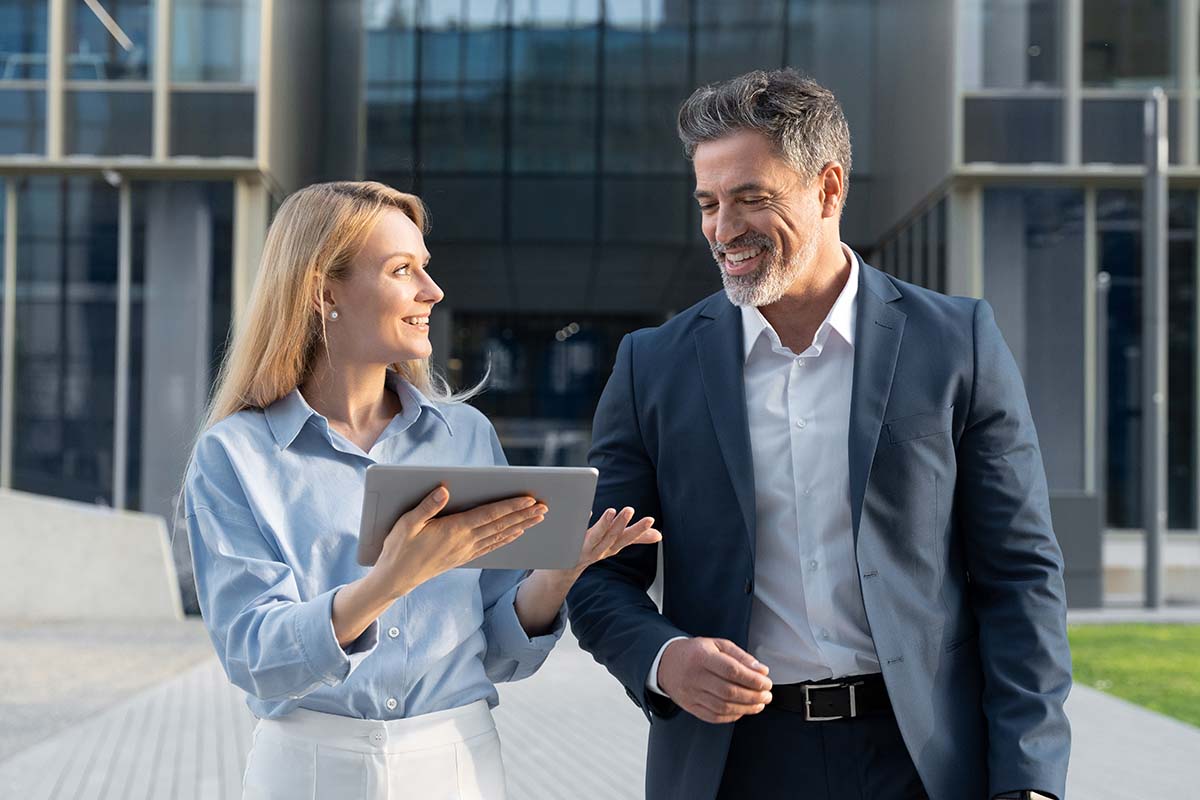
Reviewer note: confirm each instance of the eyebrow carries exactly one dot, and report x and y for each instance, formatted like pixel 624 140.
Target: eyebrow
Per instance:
pixel 739 189
pixel 404 254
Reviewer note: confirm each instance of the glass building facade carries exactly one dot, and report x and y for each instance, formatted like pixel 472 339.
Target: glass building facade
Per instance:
pixel 137 184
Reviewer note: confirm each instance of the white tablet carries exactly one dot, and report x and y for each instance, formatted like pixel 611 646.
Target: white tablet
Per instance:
pixel 555 543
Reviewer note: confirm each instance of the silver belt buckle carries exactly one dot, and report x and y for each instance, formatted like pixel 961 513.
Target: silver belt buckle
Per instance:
pixel 808 717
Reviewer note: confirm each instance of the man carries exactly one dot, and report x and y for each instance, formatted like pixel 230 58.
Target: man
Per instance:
pixel 862 592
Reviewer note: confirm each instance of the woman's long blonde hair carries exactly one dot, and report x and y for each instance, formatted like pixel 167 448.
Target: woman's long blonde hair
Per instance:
pixel 315 235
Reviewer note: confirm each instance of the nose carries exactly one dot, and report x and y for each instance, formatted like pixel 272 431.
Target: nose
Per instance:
pixel 430 292
pixel 728 224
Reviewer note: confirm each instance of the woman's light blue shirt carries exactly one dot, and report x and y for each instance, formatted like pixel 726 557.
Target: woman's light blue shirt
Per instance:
pixel 273 499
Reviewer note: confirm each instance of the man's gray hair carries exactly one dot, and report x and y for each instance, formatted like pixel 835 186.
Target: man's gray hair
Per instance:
pixel 802 118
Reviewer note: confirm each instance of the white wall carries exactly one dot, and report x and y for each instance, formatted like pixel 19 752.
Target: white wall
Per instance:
pixel 72 561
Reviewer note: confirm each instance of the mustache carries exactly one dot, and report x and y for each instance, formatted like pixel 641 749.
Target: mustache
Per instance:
pixel 752 239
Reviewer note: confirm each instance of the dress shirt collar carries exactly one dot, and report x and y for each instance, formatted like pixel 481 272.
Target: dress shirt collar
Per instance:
pixel 841 317
pixel 288 415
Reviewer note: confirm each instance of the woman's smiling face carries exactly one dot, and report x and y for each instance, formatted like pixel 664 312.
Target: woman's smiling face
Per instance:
pixel 384 299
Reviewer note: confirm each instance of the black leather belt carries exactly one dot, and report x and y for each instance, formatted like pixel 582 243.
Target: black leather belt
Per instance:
pixel 844 698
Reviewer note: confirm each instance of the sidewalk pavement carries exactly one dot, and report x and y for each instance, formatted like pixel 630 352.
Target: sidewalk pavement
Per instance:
pixel 567 732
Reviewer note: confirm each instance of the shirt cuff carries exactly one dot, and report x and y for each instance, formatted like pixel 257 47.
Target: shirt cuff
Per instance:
pixel 329 662
pixel 507 637
pixel 652 678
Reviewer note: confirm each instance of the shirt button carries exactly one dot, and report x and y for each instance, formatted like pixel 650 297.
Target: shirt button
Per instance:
pixel 825 635
pixel 393 632
pixel 391 704
pixel 801 423
pixel 812 564
pixel 377 737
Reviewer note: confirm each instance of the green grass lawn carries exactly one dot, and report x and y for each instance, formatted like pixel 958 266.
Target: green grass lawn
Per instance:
pixel 1156 666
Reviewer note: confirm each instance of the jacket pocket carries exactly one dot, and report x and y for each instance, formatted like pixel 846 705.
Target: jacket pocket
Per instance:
pixel 919 426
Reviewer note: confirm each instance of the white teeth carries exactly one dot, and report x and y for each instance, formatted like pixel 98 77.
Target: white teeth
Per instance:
pixel 742 255
pixel 417 320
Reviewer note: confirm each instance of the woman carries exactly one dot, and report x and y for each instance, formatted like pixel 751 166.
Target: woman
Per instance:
pixel 368 682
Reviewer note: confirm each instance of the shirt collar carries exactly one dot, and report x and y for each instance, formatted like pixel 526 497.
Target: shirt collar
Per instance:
pixel 841 317
pixel 288 415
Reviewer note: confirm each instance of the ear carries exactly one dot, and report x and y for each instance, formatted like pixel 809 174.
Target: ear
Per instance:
pixel 832 182
pixel 323 300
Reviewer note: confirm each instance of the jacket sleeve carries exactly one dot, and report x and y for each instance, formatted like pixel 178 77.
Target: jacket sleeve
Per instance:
pixel 611 614
pixel 1016 575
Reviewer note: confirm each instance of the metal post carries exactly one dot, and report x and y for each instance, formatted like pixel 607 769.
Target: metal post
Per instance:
pixel 121 393
pixel 1154 346
pixel 1100 448
pixel 8 341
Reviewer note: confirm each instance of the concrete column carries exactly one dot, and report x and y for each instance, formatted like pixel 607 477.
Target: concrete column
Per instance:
pixel 964 241
pixel 251 208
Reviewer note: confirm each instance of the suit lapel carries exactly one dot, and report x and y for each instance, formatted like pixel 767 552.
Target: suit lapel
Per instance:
pixel 877 336
pixel 719 349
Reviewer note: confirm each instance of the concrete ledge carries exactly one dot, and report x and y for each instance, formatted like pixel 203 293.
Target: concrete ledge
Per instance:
pixel 72 561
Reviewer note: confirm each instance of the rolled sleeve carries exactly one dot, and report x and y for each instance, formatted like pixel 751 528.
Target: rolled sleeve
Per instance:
pixel 511 654
pixel 328 660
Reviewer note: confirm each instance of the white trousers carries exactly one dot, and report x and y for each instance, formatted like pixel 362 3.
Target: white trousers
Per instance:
pixel 446 755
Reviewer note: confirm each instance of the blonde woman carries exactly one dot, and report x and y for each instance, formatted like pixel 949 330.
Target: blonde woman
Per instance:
pixel 367 682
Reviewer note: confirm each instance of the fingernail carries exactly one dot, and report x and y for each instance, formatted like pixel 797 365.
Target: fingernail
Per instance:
pixel 755 665
pixel 769 697
pixel 609 513
pixel 439 494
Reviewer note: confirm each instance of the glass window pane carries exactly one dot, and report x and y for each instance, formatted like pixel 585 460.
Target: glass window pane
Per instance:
pixel 464 209
pixel 553 209
pixel 108 123
pixel 390 134
pixel 1012 130
pixel 212 124
pixel 460 126
pixel 1033 276
pixel 1113 131
pixel 66 338
pixel 22 122
pixel 1129 43
pixel 647 210
pixel 391 56
pixel 1181 361
pixel 728 52
pixel 557 13
pixel 94 54
pixel 24 38
pixel 215 40
pixel 726 14
pixel 639 130
pixel 554 128
pixel 564 56
pixel 1010 44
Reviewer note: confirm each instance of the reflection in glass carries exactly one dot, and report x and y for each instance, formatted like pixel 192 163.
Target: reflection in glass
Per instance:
pixel 215 40
pixel 1113 131
pixel 732 51
pixel 462 127
pixel 24 38
pixel 212 124
pixel 1012 130
pixel 1010 44
pixel 22 121
pixel 1033 276
pixel 108 123
pixel 66 338
pixel 94 54
pixel 1129 43
pixel 646 210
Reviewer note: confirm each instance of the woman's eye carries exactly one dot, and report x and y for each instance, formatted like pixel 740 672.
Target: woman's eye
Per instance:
pixel 405 270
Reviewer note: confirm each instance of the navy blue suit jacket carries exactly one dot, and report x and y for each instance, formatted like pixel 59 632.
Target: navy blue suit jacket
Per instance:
pixel 960 570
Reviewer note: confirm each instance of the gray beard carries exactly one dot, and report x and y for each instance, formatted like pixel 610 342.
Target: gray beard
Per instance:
pixel 770 282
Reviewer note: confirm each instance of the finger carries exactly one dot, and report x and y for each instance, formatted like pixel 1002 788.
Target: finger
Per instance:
pixel 737 695
pixel 730 669
pixel 704 711
pixel 429 507
pixel 614 528
pixel 725 708
pixel 593 539
pixel 524 516
pixel 640 533
pixel 496 541
pixel 488 513
pixel 730 649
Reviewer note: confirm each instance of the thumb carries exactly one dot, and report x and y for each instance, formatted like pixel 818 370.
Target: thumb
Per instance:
pixel 429 507
pixel 730 649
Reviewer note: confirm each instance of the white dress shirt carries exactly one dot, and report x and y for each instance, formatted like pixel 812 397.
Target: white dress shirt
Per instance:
pixel 807 621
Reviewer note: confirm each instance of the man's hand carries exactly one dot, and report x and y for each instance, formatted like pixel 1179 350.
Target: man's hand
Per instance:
pixel 713 679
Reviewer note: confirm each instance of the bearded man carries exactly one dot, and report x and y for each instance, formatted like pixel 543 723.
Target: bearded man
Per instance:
pixel 862 591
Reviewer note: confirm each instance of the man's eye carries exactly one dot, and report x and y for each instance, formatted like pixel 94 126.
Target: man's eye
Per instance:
pixel 707 206
pixel 755 200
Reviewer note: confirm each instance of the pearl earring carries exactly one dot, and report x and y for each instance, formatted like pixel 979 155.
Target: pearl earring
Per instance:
pixel 333 315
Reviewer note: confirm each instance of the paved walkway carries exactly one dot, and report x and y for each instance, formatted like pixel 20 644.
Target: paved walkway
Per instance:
pixel 568 732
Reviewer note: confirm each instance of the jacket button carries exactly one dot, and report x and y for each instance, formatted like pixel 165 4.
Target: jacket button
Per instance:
pixel 749 587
